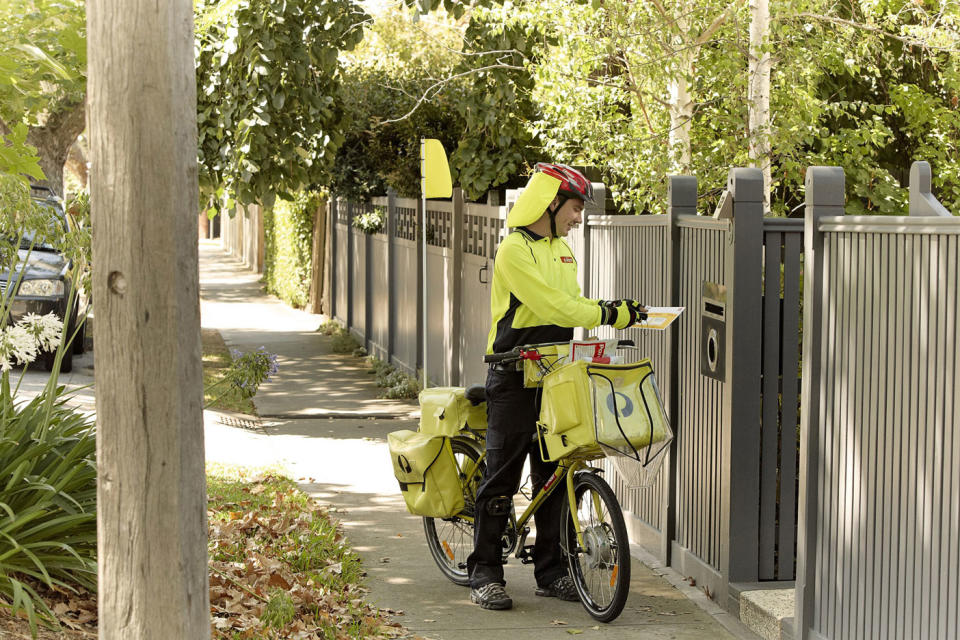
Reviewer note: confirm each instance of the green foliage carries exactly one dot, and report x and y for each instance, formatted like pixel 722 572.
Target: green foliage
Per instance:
pixel 43 58
pixel 342 342
pixel 494 98
pixel 396 384
pixel 17 158
pixel 846 90
pixel 288 237
pixel 279 611
pixel 869 86
pixel 605 93
pixel 456 8
pixel 270 117
pixel 217 364
pixel 48 500
pixel 384 77
pixel 42 72
pixel 883 94
pixel 369 222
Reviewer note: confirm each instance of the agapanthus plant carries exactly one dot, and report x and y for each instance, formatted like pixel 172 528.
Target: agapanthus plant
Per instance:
pixel 32 335
pixel 246 373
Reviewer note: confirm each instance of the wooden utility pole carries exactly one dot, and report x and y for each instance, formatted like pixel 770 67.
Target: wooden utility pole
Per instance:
pixel 151 509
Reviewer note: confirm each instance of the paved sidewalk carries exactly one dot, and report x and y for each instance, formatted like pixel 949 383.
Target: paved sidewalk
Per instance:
pixel 322 422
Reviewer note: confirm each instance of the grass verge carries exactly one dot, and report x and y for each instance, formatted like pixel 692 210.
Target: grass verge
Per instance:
pixel 280 566
pixel 216 361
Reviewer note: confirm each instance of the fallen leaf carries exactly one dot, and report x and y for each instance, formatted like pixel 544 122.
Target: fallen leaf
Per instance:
pixel 558 622
pixel 277 580
pixel 384 560
pixel 574 632
pixel 428 620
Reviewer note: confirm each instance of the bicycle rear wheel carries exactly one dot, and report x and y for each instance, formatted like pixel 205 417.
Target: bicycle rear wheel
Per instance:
pixel 450 540
pixel 600 567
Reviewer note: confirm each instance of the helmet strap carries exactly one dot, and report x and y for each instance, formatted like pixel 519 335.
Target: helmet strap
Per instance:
pixel 553 214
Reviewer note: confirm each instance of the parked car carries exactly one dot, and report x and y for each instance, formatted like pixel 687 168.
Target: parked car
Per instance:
pixel 46 283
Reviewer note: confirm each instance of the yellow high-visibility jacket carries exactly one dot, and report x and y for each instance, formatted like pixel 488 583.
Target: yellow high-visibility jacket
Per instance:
pixel 535 296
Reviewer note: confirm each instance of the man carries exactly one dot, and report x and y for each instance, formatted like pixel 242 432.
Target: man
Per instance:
pixel 534 298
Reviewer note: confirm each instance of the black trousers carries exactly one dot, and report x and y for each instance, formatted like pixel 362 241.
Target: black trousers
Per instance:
pixel 512 413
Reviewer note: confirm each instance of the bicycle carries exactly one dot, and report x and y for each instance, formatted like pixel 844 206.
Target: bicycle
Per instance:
pixel 593 533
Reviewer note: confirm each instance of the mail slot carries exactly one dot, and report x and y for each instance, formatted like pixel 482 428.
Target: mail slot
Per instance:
pixel 713 331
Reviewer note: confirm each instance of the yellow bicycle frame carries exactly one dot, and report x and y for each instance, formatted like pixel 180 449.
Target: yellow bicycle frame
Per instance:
pixel 565 468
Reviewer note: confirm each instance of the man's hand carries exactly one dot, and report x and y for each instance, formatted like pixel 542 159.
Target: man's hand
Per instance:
pixel 621 314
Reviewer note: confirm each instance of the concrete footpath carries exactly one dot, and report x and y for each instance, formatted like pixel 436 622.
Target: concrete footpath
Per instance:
pixel 321 422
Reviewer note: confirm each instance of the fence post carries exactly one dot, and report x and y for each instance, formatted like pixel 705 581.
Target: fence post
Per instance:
pixel 922 201
pixel 390 226
pixel 421 221
pixel 335 275
pixel 456 297
pixel 824 197
pixel 350 250
pixel 681 200
pixel 367 285
pixel 740 444
pixel 330 264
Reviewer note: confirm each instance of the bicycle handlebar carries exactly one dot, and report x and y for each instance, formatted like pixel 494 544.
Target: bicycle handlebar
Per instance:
pixel 519 353
pixel 493 358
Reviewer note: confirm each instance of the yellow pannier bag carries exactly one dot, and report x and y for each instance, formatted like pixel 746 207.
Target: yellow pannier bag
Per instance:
pixel 445 411
pixel 426 469
pixel 592 410
pixel 551 357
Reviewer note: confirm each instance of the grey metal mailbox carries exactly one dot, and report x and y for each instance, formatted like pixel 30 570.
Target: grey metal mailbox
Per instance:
pixel 713 330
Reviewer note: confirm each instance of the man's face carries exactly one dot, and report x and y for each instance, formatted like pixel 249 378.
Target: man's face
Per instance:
pixel 569 216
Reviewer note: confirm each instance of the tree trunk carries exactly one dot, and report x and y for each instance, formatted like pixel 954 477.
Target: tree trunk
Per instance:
pixel 681 111
pixel 53 141
pixel 151 510
pixel 758 95
pixel 77 164
pixel 681 98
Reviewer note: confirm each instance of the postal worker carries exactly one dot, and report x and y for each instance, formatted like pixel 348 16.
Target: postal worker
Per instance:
pixel 534 298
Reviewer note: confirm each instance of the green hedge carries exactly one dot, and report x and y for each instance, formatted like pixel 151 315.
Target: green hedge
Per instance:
pixel 288 236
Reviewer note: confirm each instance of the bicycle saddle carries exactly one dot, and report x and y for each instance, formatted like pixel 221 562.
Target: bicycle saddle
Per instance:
pixel 475 393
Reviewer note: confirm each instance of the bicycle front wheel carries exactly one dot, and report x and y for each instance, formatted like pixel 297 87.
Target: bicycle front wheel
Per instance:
pixel 450 540
pixel 600 567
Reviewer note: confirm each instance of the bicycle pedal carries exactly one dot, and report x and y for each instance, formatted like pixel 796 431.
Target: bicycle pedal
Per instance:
pixel 526 555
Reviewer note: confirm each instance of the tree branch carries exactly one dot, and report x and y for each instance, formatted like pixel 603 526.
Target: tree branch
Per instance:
pixel 439 83
pixel 62 126
pixel 704 37
pixel 917 42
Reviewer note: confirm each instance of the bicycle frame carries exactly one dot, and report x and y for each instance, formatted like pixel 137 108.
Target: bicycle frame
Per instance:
pixel 565 470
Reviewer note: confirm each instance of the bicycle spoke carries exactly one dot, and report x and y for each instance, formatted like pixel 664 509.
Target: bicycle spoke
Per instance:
pixel 451 540
pixel 597 561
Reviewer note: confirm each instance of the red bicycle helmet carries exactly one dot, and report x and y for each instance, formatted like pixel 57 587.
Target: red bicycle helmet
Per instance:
pixel 573 184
